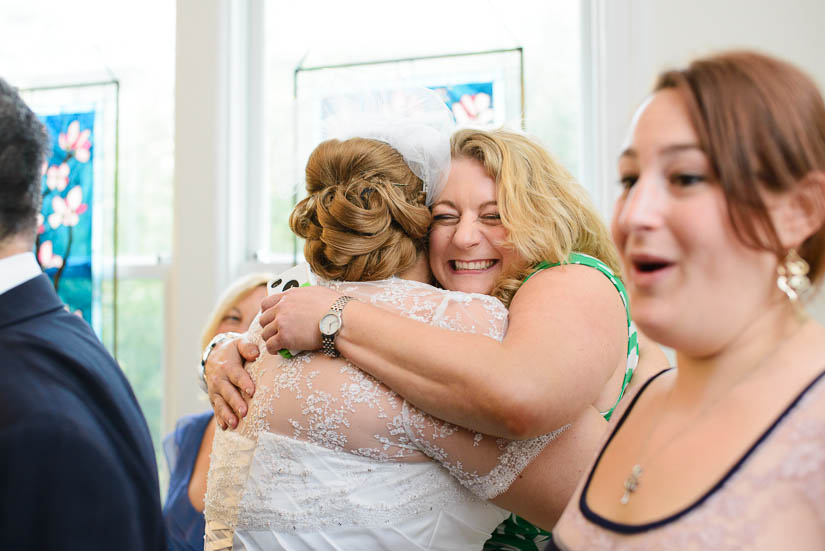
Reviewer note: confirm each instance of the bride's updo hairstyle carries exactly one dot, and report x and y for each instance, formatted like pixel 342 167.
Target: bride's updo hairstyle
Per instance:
pixel 364 217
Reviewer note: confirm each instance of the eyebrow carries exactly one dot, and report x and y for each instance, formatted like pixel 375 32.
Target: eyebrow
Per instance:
pixel 451 204
pixel 669 150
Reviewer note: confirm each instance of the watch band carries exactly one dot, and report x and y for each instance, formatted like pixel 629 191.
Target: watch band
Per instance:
pixel 216 340
pixel 328 341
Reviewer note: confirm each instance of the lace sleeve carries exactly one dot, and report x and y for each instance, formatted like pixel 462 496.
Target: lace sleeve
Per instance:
pixel 471 313
pixel 331 403
pixel 485 465
pixel 327 402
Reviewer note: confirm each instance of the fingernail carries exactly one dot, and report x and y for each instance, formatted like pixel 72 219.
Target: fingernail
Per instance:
pixel 249 391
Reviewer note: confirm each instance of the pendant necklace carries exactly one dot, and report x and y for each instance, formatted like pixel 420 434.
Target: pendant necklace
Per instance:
pixel 631 483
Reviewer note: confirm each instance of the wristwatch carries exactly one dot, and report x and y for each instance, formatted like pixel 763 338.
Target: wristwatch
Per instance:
pixel 216 340
pixel 331 324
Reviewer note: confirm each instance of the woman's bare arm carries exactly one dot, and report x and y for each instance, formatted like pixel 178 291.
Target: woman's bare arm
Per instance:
pixel 543 489
pixel 567 336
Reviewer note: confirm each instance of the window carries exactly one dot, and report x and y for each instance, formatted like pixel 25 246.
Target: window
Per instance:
pixel 60 43
pixel 548 32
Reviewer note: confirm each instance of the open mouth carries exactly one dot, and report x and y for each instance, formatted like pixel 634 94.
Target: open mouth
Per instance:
pixel 472 265
pixel 649 267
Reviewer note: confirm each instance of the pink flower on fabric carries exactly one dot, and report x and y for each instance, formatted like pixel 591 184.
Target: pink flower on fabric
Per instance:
pixel 47 258
pixel 75 140
pixel 41 228
pixel 67 211
pixel 57 177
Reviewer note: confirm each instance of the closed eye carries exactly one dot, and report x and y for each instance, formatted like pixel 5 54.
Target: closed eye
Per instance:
pixel 445 219
pixel 230 317
pixel 493 219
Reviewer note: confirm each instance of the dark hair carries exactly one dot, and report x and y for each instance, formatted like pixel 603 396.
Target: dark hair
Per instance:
pixel 23 147
pixel 761 122
pixel 364 217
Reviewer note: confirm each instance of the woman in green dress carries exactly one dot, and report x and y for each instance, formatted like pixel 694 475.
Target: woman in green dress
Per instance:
pixel 510 222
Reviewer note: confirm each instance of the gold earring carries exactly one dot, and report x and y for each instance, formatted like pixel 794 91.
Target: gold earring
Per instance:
pixel 793 275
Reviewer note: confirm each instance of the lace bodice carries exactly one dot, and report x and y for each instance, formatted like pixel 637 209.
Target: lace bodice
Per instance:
pixel 326 446
pixel 774 500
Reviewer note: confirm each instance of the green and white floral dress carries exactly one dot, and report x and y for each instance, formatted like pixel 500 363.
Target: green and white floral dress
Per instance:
pixel 515 533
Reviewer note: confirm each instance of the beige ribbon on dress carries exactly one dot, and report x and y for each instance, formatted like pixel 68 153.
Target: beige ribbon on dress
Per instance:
pixel 218 536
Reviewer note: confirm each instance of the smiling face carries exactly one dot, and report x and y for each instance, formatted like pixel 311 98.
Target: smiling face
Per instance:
pixel 693 284
pixel 240 315
pixel 467 240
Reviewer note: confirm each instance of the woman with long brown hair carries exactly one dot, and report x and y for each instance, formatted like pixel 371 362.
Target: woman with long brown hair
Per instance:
pixel 721 227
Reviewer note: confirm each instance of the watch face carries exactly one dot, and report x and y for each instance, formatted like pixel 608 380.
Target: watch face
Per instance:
pixel 330 324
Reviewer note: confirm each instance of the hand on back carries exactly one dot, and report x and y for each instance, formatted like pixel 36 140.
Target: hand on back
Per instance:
pixel 289 320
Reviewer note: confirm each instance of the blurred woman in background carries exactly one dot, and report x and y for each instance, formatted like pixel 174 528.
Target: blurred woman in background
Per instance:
pixel 187 448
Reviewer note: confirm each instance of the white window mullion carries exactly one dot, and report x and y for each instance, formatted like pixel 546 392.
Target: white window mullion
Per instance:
pixel 202 234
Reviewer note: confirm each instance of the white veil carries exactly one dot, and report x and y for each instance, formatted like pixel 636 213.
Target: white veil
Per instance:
pixel 414 121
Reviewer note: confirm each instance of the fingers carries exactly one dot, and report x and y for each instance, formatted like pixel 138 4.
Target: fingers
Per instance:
pixel 223 413
pixel 235 406
pixel 247 349
pixel 273 345
pixel 239 379
pixel 269 331
pixel 222 381
pixel 270 301
pixel 267 317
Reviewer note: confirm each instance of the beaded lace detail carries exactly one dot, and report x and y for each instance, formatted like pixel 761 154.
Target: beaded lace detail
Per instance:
pixel 321 431
pixel 774 500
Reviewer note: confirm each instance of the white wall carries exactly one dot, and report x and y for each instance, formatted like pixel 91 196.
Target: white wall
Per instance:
pixel 640 38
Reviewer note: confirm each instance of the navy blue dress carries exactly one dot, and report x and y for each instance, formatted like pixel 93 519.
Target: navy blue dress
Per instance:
pixel 184 525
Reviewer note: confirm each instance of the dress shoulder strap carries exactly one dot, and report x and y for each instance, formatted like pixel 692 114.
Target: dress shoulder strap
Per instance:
pixel 632 335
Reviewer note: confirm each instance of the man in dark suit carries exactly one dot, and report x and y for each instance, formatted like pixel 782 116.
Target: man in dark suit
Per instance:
pixel 77 467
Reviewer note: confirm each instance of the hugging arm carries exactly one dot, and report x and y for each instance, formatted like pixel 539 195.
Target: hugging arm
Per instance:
pixel 360 415
pixel 228 383
pixel 533 478
pixel 567 336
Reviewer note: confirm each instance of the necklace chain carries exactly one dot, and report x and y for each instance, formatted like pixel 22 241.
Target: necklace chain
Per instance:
pixel 631 483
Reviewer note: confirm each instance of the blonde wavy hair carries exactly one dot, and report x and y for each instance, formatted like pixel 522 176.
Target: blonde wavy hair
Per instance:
pixel 364 217
pixel 237 291
pixel 546 213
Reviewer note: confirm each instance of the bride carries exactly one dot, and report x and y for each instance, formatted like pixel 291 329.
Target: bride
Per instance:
pixel 330 458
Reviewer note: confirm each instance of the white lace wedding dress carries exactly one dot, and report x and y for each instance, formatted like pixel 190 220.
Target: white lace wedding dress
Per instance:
pixel 330 458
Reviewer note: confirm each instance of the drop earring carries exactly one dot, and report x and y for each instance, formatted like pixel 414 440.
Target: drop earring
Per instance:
pixel 793 275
